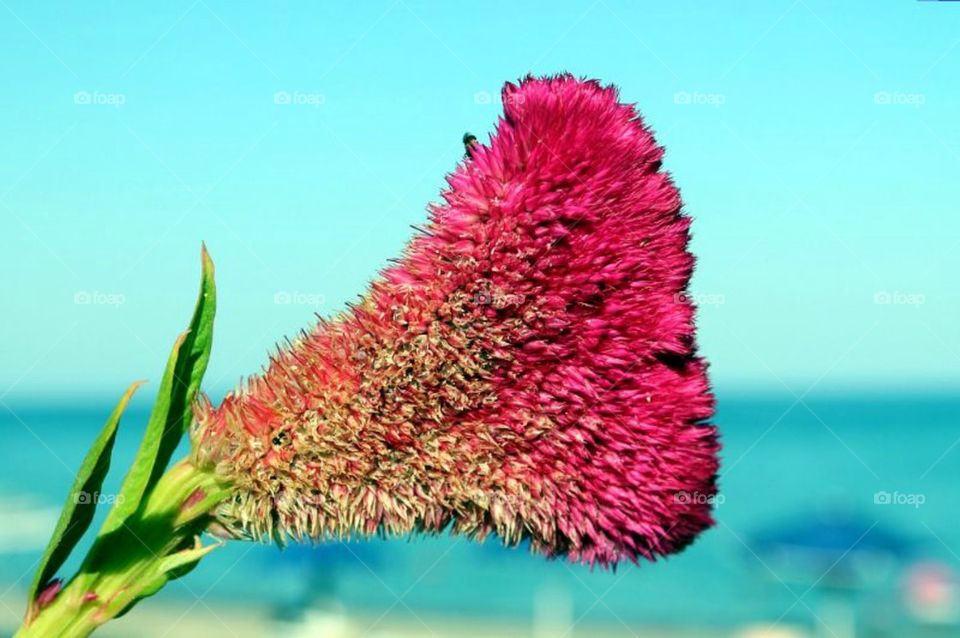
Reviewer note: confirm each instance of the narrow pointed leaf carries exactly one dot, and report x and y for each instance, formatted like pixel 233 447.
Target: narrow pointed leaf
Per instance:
pixel 172 410
pixel 170 568
pixel 185 559
pixel 147 589
pixel 190 368
pixel 81 503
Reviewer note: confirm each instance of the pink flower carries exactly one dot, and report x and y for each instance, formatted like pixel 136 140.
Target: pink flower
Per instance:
pixel 526 368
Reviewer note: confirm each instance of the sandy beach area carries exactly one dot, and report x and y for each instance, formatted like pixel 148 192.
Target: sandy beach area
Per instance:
pixel 215 620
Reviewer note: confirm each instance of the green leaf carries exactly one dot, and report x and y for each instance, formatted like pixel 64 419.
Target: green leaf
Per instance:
pixel 173 408
pixel 150 586
pixel 81 504
pixel 190 368
pixel 186 559
pixel 169 568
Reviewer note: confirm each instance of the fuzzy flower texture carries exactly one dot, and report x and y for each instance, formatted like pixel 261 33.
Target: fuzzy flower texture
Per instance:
pixel 526 368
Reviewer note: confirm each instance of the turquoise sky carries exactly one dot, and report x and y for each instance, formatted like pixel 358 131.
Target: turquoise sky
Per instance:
pixel 816 143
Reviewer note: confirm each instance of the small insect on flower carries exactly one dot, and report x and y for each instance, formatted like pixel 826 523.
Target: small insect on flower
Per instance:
pixel 526 368
pixel 469 141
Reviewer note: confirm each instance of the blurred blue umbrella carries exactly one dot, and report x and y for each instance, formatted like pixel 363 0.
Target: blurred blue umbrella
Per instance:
pixel 317 568
pixel 837 552
pixel 835 547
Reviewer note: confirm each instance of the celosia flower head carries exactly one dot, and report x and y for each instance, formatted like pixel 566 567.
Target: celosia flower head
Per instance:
pixel 526 368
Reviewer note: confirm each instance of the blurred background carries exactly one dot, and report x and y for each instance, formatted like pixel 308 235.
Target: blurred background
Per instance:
pixel 816 145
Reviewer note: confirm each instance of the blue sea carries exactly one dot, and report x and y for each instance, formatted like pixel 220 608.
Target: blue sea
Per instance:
pixel 890 463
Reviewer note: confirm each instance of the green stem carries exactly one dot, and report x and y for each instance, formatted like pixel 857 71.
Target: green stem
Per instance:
pixel 158 543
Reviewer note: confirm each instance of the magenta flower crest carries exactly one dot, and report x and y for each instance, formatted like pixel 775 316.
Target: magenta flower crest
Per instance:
pixel 526 368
